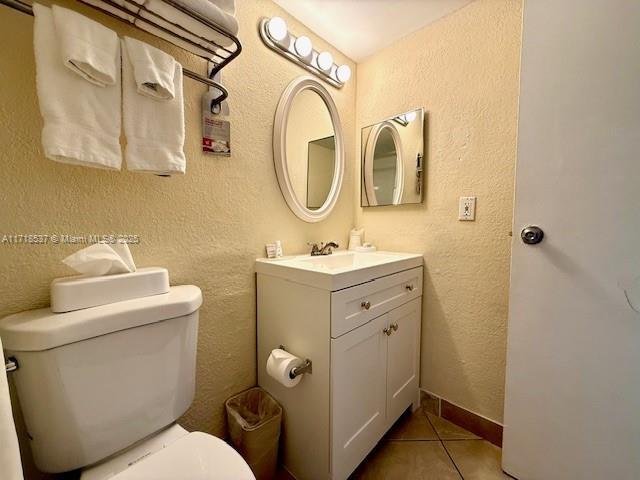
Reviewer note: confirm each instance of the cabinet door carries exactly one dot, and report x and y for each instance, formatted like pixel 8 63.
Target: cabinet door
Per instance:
pixel 358 395
pixel 403 356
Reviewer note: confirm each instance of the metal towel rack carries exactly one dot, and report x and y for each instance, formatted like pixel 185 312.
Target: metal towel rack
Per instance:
pixel 218 54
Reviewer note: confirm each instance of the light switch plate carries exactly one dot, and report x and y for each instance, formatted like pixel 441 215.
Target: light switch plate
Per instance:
pixel 467 209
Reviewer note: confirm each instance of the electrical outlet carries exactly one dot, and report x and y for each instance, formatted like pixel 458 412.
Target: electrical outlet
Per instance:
pixel 467 209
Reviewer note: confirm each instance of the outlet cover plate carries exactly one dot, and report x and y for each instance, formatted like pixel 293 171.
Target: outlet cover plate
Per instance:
pixel 467 209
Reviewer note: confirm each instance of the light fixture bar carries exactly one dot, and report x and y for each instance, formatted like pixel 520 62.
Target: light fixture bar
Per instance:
pixel 299 50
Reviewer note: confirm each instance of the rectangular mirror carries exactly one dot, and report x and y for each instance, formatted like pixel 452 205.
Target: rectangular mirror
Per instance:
pixel 393 160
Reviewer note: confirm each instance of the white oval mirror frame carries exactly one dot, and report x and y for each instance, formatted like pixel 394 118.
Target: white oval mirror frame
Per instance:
pixel 370 160
pixel 280 149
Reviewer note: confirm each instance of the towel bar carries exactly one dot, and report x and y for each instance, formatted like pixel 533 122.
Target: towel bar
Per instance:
pixel 220 56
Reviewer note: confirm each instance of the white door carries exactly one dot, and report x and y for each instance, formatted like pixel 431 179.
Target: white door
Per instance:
pixel 402 358
pixel 358 376
pixel 573 363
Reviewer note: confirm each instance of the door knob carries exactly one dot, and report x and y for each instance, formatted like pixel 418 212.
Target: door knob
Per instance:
pixel 394 327
pixel 410 287
pixel 532 235
pixel 366 305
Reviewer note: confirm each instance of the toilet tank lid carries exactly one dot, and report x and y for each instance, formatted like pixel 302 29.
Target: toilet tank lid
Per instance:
pixel 37 330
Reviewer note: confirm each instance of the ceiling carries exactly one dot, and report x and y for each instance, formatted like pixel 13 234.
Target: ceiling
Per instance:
pixel 359 28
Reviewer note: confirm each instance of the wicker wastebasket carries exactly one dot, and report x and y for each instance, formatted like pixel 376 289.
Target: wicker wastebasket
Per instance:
pixel 254 419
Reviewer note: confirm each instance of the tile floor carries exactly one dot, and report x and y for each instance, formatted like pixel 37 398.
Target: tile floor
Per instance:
pixel 423 446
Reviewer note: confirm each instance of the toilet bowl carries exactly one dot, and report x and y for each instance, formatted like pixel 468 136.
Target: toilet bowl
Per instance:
pixel 174 454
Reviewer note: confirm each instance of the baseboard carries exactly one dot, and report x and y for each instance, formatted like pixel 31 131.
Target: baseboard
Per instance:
pixel 484 427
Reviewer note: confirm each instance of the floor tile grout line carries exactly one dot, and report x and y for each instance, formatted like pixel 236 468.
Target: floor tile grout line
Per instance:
pixel 411 439
pixel 443 445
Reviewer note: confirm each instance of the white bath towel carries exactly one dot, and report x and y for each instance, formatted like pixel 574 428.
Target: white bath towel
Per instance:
pixel 227 6
pixel 81 120
pixel 196 31
pixel 154 129
pixel 10 466
pixel 153 69
pixel 87 48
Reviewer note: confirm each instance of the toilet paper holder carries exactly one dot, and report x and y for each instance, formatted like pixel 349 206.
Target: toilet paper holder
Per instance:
pixel 306 368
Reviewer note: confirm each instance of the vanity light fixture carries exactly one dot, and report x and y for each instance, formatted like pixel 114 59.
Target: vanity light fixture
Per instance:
pixel 275 35
pixel 277 29
pixel 325 61
pixel 303 47
pixel 343 73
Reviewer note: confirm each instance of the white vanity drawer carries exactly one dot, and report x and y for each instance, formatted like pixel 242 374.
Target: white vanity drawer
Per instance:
pixel 355 306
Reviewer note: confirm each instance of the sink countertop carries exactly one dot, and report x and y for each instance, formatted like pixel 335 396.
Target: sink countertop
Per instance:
pixel 339 270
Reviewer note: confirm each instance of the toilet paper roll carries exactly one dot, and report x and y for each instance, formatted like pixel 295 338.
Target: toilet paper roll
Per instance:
pixel 279 366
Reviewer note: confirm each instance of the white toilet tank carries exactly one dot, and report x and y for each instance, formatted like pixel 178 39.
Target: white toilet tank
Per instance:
pixel 94 381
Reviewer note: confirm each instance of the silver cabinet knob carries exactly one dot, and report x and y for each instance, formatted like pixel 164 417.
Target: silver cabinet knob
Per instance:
pixel 366 305
pixel 390 329
pixel 410 287
pixel 531 235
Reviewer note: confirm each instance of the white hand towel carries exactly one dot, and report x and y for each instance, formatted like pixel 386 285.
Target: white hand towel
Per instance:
pixel 197 30
pixel 10 466
pixel 153 69
pixel 154 130
pixel 81 120
pixel 87 48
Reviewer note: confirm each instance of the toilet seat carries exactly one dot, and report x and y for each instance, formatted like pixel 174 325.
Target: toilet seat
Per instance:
pixel 195 456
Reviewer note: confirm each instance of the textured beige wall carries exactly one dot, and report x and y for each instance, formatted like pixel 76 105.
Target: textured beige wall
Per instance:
pixel 463 70
pixel 206 227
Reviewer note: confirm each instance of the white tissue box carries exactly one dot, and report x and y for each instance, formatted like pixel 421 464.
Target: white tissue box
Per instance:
pixel 77 292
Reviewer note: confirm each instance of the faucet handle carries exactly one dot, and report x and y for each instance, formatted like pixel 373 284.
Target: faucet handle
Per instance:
pixel 315 249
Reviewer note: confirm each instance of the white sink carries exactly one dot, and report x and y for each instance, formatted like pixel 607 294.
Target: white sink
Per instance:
pixel 338 270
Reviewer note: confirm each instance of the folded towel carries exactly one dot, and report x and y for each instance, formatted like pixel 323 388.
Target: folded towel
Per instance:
pixel 195 31
pixel 153 69
pixel 154 130
pixel 81 120
pixel 115 10
pixel 10 466
pixel 227 6
pixel 86 47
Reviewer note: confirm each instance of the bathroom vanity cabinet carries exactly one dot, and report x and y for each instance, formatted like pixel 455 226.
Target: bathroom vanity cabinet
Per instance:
pixel 360 327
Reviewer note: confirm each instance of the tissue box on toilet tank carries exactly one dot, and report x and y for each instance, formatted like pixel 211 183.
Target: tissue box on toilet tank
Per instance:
pixel 77 292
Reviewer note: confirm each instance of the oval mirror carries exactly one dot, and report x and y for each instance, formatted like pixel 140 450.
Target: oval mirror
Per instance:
pixel 383 167
pixel 308 149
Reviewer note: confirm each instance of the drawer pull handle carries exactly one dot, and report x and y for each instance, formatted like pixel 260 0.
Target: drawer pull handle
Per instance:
pixel 366 305
pixel 410 287
pixel 387 331
pixel 394 327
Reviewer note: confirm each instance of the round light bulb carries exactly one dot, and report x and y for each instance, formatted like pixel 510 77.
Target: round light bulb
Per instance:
pixel 325 61
pixel 303 46
pixel 410 116
pixel 277 29
pixel 343 73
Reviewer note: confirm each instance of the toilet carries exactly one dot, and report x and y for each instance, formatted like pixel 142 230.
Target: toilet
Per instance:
pixel 101 389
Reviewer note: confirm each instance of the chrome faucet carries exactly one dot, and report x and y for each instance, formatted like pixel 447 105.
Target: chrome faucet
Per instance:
pixel 323 249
